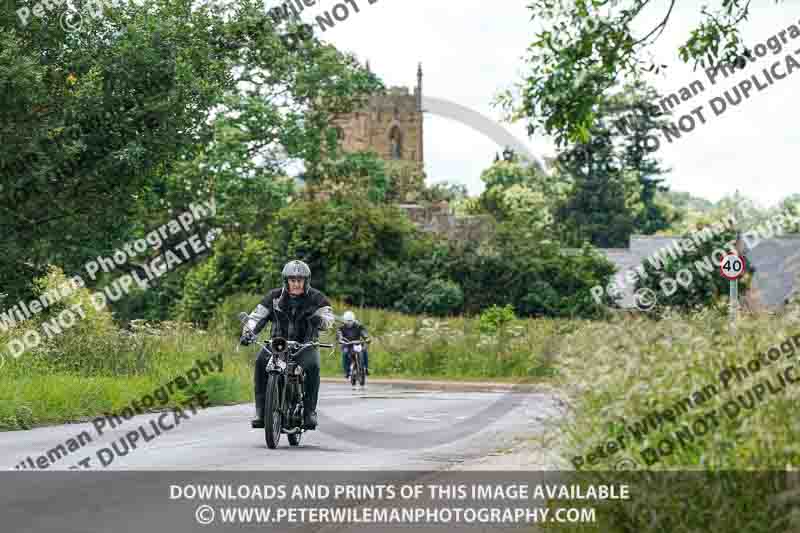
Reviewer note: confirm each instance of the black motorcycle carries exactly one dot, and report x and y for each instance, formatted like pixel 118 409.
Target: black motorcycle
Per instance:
pixel 283 405
pixel 354 350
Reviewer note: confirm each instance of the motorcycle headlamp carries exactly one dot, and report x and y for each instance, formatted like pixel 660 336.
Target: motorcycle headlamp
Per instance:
pixel 279 344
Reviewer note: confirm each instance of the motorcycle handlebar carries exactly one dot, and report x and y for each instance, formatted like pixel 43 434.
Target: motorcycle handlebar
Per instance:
pixel 268 344
pixel 294 344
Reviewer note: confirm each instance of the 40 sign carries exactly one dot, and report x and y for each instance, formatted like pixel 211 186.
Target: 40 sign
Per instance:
pixel 732 267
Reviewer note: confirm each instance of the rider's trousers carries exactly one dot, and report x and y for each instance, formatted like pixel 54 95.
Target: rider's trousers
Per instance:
pixel 309 359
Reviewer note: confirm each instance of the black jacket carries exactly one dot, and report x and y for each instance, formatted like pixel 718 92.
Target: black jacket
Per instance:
pixel 355 332
pixel 277 308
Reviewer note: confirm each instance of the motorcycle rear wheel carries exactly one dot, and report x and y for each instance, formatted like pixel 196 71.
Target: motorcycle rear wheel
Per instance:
pixel 272 416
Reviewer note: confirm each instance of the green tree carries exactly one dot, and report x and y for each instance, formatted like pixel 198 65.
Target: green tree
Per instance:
pixel 356 177
pixel 601 208
pixel 587 46
pixel 616 175
pixel 536 277
pixel 237 266
pixel 519 193
pixel 97 123
pixel 406 182
pixel 341 243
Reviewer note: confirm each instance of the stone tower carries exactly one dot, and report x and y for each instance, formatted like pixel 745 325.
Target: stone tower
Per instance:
pixel 389 124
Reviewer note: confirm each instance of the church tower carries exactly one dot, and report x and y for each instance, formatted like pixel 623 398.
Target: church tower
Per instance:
pixel 389 124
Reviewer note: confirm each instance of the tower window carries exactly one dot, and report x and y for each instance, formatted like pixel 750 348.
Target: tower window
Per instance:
pixel 396 143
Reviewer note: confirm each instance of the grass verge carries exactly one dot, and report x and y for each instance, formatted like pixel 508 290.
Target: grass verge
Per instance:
pixel 94 368
pixel 711 445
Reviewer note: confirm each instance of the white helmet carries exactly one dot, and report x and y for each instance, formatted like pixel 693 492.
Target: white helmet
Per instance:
pixel 349 317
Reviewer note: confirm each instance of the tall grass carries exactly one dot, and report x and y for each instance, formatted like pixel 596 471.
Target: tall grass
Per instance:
pixel 620 372
pixel 95 368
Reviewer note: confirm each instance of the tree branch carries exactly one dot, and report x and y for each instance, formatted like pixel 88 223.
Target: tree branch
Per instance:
pixel 660 27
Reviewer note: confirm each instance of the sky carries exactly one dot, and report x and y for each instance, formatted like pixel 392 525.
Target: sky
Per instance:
pixel 471 50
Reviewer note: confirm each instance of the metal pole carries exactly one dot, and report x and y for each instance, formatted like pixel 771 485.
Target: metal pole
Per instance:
pixel 734 300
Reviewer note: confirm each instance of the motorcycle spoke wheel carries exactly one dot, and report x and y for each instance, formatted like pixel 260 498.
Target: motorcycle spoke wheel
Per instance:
pixel 272 416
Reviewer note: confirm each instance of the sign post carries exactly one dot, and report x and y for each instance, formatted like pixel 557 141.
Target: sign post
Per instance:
pixel 732 268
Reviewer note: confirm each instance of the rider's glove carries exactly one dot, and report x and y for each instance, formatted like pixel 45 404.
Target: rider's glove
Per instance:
pixel 247 338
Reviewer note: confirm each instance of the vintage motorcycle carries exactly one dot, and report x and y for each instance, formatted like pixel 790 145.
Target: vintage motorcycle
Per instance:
pixel 357 372
pixel 283 404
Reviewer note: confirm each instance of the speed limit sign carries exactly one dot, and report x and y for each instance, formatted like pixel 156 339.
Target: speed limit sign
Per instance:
pixel 732 266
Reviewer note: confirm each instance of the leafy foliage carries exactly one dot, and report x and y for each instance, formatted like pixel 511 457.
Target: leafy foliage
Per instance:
pixel 124 119
pixel 356 178
pixel 616 176
pixel 517 192
pixel 442 298
pixel 238 265
pixel 587 47
pixel 705 290
pixel 496 319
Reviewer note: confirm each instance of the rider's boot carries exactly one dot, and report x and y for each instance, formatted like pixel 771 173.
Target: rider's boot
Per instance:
pixel 258 421
pixel 310 421
pixel 309 416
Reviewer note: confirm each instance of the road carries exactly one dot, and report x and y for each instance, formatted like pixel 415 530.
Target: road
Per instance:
pixel 365 436
pixel 379 428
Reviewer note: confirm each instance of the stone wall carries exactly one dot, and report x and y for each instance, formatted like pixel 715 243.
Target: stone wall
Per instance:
pixel 438 218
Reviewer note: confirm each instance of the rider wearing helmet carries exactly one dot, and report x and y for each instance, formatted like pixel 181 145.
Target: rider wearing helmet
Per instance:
pixel 352 330
pixel 298 313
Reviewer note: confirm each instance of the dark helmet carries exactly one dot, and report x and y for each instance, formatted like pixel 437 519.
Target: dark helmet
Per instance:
pixel 296 269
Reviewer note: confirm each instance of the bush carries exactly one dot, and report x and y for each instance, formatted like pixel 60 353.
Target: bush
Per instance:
pixel 496 319
pixel 536 278
pixel 442 298
pixel 237 266
pixel 225 319
pixel 705 290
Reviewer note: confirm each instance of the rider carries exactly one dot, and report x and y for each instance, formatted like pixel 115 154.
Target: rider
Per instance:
pixel 298 312
pixel 352 330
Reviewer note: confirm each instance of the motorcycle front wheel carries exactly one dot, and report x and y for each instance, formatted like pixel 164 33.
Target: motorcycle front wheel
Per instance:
pixel 272 414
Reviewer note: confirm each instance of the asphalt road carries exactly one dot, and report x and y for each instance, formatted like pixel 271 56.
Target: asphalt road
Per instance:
pixel 384 434
pixel 379 428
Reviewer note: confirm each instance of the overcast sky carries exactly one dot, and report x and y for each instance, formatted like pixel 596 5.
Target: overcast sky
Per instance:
pixel 472 49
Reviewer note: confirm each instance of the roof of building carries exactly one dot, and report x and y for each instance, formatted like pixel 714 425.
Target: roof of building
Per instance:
pixel 776 262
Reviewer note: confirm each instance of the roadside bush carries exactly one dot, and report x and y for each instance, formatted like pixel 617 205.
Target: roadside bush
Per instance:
pixel 706 290
pixel 496 319
pixel 442 298
pixel 237 266
pixel 538 279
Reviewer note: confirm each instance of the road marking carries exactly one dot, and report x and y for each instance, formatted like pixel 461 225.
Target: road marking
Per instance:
pixel 422 419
